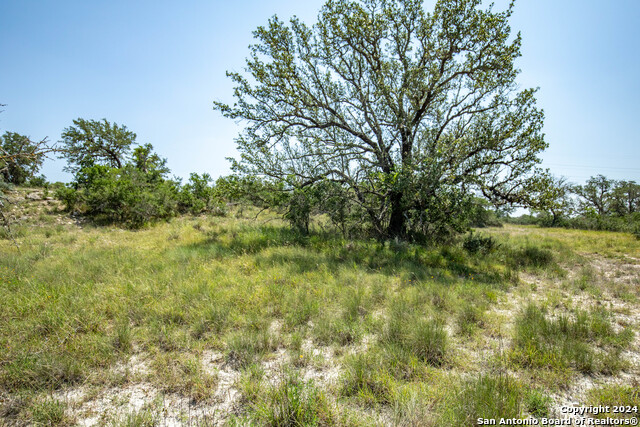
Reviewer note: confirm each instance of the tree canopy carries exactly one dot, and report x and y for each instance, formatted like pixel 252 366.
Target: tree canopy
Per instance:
pixel 409 112
pixel 20 157
pixel 90 142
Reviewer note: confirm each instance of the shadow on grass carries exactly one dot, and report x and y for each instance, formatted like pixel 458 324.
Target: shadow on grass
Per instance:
pixel 329 251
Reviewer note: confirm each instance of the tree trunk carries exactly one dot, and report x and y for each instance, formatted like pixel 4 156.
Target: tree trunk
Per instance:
pixel 397 221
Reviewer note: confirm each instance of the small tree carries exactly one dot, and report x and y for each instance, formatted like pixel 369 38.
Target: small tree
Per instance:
pixel 20 158
pixel 412 112
pixel 556 200
pixel 90 142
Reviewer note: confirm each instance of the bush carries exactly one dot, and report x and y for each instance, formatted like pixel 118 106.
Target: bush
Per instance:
pixel 125 196
pixel 479 243
pixel 482 216
pixel 299 210
pixel 198 196
pixel 37 181
pixel 68 196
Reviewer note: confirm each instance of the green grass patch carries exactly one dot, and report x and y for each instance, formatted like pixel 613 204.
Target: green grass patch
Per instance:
pixel 585 342
pixel 487 397
pixel 622 399
pixel 291 402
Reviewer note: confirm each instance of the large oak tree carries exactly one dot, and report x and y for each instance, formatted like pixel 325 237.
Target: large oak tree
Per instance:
pixel 409 112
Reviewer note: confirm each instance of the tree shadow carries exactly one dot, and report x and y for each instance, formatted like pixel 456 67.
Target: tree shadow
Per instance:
pixel 329 251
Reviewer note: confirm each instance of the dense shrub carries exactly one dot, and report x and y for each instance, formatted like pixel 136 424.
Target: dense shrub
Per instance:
pixel 37 181
pixel 474 243
pixel 199 196
pixel 116 180
pixel 120 195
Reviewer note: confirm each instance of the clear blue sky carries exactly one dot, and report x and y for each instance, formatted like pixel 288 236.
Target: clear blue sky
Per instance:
pixel 156 66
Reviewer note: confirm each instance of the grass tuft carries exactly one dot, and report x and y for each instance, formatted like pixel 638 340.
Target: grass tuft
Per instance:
pixel 247 347
pixel 293 402
pixel 49 412
pixel 487 396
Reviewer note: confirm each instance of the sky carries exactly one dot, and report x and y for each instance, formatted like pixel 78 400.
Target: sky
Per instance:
pixel 157 66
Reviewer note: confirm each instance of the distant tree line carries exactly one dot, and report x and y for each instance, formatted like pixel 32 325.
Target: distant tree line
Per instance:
pixel 600 204
pixel 117 180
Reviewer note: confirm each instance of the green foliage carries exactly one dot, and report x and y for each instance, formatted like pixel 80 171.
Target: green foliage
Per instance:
pixel 125 196
pixel 402 119
pixel 198 196
pixel 249 189
pixel 299 210
pixel 96 142
pixel 145 160
pixel 555 202
pixel 20 158
pixel 601 204
pixel 482 215
pixel 110 186
pixel 114 184
pixel 596 194
pixel 478 243
pixel 68 196
pixel 38 181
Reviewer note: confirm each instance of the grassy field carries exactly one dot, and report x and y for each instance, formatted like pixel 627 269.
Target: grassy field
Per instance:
pixel 236 320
